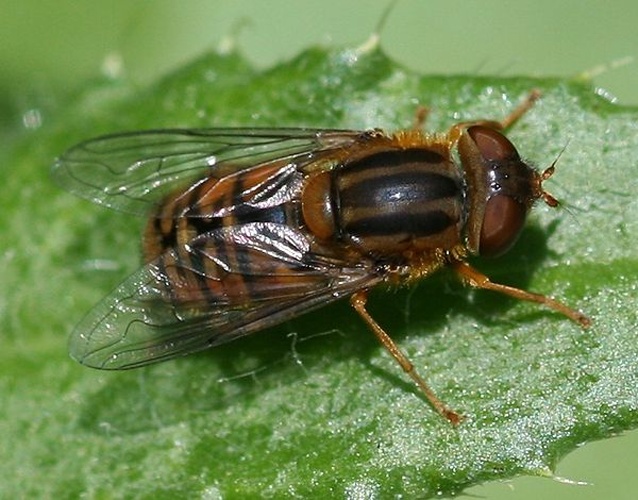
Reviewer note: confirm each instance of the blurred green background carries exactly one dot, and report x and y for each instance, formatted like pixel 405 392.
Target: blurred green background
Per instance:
pixel 47 47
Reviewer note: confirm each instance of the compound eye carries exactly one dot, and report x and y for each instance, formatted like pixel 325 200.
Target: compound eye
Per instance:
pixel 493 145
pixel 502 222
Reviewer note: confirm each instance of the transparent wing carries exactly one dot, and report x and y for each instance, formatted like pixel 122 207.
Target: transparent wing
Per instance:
pixel 226 284
pixel 133 171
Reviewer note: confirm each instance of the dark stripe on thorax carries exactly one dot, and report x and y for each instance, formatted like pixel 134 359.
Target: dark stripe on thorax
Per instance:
pixel 396 177
pixel 413 192
pixel 427 224
pixel 400 187
pixel 395 157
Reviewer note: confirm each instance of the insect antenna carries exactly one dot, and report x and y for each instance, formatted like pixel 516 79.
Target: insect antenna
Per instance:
pixel 546 174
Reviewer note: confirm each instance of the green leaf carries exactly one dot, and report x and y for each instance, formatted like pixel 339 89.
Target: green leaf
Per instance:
pixel 316 407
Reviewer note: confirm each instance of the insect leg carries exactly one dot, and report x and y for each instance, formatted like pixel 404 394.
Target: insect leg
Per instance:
pixel 516 114
pixel 520 110
pixel 479 280
pixel 420 117
pixel 358 301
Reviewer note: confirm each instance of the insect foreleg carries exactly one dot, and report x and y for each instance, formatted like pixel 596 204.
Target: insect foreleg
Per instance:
pixel 479 280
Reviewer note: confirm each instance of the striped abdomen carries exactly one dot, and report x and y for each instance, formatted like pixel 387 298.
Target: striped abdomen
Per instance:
pixel 388 202
pixel 200 246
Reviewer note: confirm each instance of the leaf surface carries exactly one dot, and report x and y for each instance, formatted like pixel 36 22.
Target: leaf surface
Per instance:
pixel 316 406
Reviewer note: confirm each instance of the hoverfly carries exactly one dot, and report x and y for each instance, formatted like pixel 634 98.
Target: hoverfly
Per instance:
pixel 250 227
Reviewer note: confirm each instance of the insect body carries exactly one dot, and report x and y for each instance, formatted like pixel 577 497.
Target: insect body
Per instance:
pixel 250 227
